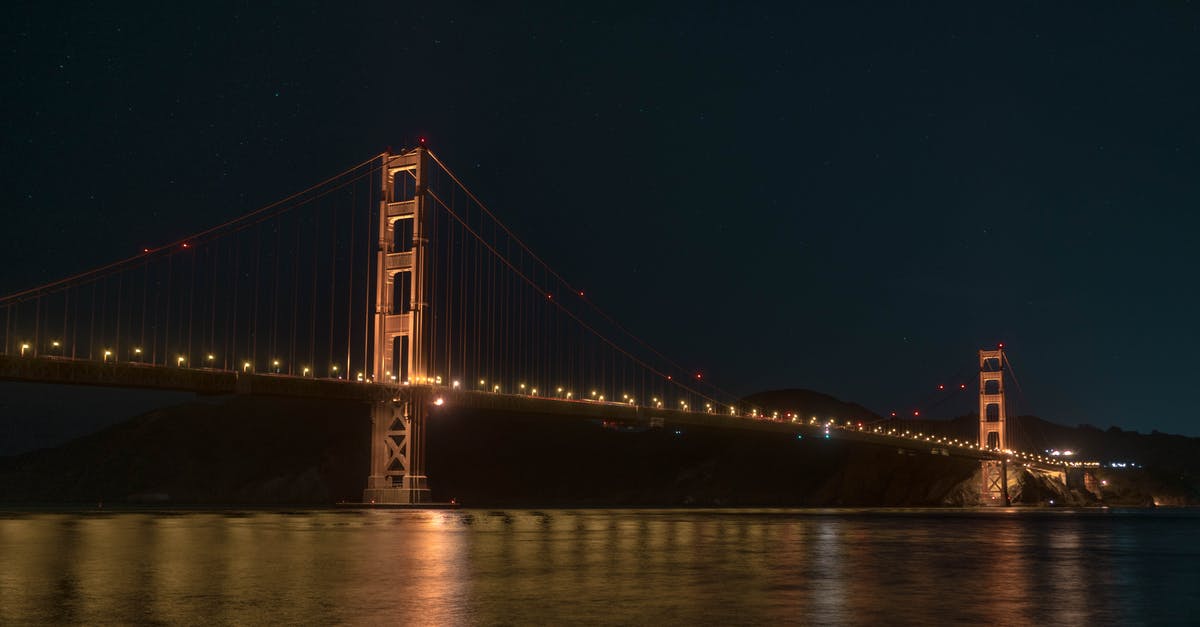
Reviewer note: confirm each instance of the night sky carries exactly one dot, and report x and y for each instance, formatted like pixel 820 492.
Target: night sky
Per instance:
pixel 848 199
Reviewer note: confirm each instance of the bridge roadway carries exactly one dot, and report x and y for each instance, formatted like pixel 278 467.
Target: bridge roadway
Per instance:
pixel 211 381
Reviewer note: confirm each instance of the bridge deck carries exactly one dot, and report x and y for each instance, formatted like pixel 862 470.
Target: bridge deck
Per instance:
pixel 221 382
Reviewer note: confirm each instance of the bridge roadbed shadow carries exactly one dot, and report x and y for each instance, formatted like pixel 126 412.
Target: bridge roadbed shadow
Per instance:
pixel 262 451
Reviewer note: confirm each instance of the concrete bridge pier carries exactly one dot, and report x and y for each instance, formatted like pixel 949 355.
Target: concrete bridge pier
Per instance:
pixel 398 450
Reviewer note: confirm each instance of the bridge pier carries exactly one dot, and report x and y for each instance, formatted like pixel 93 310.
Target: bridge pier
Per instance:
pixel 398 450
pixel 995 483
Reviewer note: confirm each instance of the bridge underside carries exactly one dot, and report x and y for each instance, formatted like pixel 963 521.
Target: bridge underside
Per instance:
pixel 399 413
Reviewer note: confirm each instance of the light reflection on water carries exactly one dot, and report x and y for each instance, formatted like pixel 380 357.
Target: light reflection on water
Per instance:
pixel 600 566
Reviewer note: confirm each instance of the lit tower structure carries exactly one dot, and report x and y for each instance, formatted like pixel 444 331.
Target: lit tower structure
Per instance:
pixel 992 421
pixel 402 335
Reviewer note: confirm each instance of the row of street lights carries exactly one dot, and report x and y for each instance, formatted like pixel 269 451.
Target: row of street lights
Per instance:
pixel 135 356
pixel 561 393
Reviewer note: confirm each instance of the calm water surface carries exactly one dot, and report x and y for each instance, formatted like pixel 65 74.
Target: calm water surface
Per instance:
pixel 865 567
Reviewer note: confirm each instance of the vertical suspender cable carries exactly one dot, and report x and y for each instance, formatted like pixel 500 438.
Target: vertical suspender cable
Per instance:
pixel 312 294
pixel 295 269
pixel 252 338
pixel 191 307
pixel 332 279
pixel 117 342
pixel 167 325
pixel 232 320
pixel 350 279
pixel 212 308
pixel 145 279
pixel 274 321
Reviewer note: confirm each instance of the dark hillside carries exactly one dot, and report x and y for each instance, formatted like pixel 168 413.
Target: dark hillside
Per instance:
pixel 248 450
pixel 239 450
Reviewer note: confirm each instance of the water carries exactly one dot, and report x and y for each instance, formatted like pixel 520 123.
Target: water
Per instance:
pixel 867 567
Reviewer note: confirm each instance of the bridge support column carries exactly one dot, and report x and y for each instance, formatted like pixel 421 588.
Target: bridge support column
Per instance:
pixel 992 427
pixel 398 450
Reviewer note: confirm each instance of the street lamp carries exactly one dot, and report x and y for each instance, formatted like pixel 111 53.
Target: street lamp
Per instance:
pixel 245 366
pixel 304 373
pixel 137 354
pixel 275 365
pixel 107 354
pixel 210 358
pixel 179 361
pixel 24 347
pixel 334 371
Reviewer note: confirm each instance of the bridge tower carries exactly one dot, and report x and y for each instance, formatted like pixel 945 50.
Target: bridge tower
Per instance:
pixel 992 425
pixel 402 332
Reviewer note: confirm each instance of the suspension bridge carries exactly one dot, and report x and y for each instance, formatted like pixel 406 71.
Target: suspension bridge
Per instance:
pixel 391 283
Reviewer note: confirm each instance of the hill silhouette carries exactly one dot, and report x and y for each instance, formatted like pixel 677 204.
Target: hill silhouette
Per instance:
pixel 1156 461
pixel 248 450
